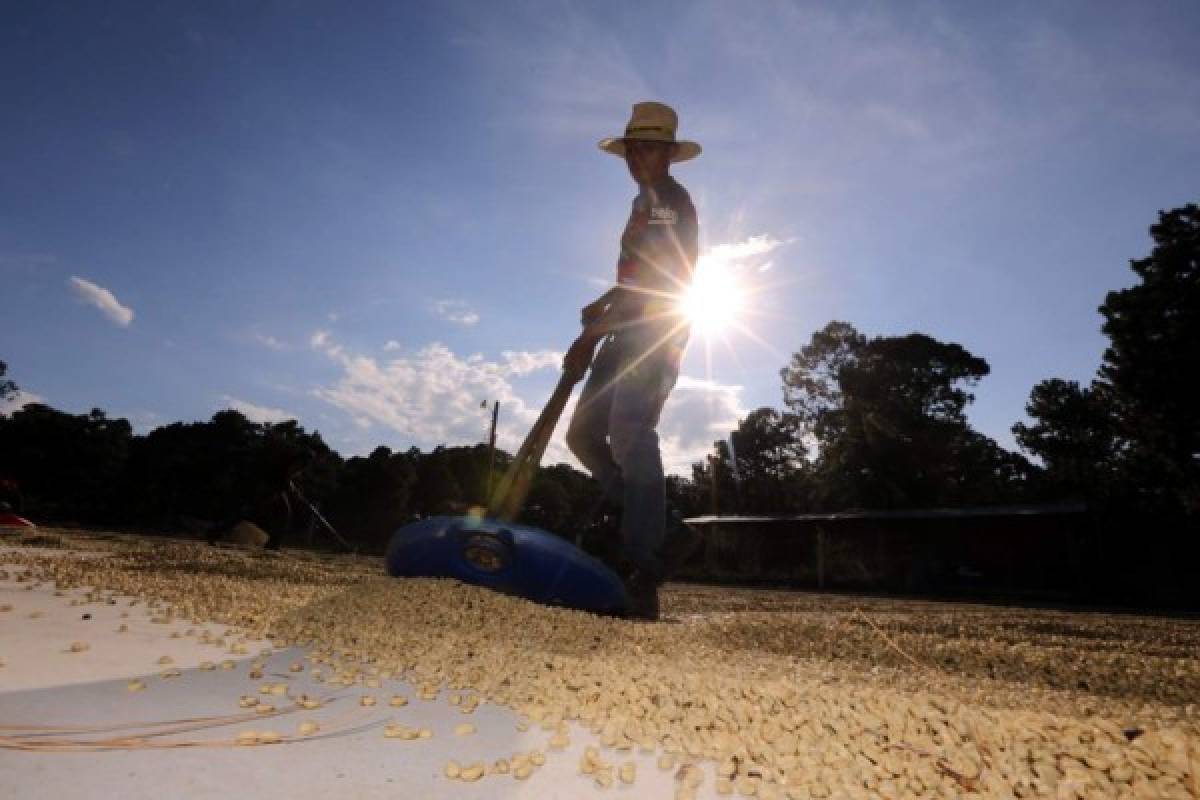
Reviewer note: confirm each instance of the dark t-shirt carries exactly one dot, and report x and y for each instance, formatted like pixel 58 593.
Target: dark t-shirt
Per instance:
pixel 658 249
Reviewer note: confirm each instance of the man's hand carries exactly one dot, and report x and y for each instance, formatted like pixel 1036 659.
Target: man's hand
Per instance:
pixel 579 355
pixel 593 311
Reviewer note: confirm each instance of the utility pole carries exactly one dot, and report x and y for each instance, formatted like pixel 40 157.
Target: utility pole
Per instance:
pixel 491 448
pixel 714 464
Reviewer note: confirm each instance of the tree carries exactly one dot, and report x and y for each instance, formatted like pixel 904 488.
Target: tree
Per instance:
pixel 715 481
pixel 437 490
pixel 770 461
pixel 582 514
pixel 888 417
pixel 548 506
pixel 8 389
pixel 211 471
pixel 1075 434
pixel 372 497
pixel 223 470
pixel 1153 329
pixel 810 381
pixel 469 466
pixel 68 466
pixel 685 498
pixel 1131 440
pixel 203 476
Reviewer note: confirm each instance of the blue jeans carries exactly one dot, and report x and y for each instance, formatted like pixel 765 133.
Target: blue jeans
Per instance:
pixel 613 433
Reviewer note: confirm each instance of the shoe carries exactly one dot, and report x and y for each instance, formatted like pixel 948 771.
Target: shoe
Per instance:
pixel 642 587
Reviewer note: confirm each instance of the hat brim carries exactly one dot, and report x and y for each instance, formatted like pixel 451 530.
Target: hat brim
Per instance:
pixel 684 151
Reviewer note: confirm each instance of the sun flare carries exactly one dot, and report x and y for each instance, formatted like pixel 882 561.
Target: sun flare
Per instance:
pixel 715 298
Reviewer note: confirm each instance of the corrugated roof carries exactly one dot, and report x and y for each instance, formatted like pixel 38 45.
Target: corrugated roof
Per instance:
pixel 912 513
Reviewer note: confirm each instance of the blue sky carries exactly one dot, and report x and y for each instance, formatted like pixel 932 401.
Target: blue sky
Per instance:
pixel 373 216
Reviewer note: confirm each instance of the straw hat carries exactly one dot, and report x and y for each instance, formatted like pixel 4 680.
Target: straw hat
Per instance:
pixel 652 122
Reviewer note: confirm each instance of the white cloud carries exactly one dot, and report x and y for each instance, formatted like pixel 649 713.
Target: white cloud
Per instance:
pixel 102 299
pixel 745 249
pixel 266 340
pixel 18 401
pixel 455 311
pixel 390 345
pixel 321 340
pixel 524 362
pixel 687 382
pixel 257 413
pixel 432 396
pixel 697 413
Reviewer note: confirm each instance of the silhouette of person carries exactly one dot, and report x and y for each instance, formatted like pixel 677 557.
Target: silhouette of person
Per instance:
pixel 644 335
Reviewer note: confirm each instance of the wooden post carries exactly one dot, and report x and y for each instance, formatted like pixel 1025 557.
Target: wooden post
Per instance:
pixel 882 580
pixel 820 557
pixel 492 449
pixel 712 549
pixel 715 507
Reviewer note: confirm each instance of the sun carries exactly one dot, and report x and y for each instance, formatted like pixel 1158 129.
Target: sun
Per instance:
pixel 715 298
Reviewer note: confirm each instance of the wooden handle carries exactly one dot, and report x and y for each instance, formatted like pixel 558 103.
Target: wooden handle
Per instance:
pixel 509 498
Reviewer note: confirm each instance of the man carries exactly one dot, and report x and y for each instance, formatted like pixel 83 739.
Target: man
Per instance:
pixel 613 430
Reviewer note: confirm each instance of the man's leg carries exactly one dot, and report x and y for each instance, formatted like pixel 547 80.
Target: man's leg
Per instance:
pixel 637 404
pixel 587 434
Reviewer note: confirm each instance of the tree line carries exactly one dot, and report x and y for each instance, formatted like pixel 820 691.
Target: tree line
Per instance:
pixel 867 423
pixel 879 422
pixel 91 469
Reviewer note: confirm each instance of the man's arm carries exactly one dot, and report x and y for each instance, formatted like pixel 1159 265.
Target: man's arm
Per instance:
pixel 594 310
pixel 599 318
pixel 607 312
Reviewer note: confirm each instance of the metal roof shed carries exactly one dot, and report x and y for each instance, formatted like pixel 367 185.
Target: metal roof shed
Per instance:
pixel 1016 550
